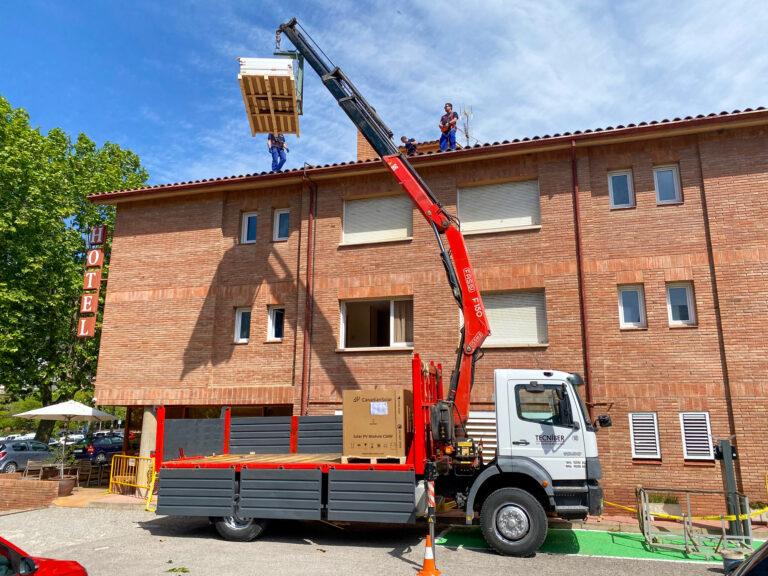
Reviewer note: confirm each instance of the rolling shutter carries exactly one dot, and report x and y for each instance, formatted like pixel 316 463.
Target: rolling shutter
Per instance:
pixel 644 432
pixel 378 219
pixel 499 206
pixel 697 436
pixel 481 425
pixel 517 318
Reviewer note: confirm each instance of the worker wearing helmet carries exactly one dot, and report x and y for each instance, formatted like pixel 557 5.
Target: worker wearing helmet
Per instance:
pixel 277 147
pixel 448 128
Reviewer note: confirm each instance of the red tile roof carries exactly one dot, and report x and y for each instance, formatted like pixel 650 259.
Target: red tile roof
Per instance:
pixel 535 141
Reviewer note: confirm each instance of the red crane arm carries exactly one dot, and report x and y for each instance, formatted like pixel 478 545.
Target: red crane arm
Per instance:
pixel 461 276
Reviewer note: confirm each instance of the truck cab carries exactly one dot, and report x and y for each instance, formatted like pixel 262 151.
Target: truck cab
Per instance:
pixel 546 460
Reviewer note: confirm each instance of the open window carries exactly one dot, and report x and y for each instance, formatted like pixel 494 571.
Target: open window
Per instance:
pixel 276 324
pixel 377 324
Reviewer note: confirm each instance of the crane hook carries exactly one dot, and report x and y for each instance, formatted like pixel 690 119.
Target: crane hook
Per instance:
pixel 277 39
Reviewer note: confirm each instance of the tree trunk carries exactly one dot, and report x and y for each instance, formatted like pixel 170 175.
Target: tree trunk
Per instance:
pixel 45 427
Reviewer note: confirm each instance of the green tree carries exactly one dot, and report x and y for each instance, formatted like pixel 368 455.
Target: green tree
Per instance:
pixel 45 217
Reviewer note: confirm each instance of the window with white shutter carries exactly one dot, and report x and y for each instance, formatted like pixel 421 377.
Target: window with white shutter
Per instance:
pixel 697 436
pixel 517 318
pixel 495 207
pixel 382 219
pixel 644 432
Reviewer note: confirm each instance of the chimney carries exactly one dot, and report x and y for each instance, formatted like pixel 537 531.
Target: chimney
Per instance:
pixel 364 150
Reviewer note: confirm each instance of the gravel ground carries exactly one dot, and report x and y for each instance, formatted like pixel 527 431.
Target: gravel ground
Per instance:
pixel 116 542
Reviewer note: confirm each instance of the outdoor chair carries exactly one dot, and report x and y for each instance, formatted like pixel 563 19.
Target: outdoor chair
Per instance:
pixel 34 469
pixel 84 471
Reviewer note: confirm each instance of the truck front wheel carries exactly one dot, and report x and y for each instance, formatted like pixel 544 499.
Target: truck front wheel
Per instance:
pixel 513 522
pixel 239 529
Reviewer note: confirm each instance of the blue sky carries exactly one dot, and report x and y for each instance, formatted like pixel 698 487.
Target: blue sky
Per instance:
pixel 160 77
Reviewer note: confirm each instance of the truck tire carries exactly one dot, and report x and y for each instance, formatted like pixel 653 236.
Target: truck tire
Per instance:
pixel 239 529
pixel 513 522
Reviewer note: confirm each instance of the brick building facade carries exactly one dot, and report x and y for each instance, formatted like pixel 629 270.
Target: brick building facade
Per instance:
pixel 640 259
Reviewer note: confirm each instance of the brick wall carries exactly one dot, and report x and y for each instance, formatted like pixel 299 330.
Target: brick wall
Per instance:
pixel 17 493
pixel 179 271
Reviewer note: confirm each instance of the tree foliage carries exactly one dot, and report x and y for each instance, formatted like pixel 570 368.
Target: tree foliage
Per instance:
pixel 44 220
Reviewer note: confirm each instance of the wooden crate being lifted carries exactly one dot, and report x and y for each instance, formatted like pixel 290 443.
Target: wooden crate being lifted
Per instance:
pixel 268 86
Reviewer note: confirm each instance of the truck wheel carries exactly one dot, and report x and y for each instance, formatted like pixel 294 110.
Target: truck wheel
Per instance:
pixel 513 522
pixel 239 529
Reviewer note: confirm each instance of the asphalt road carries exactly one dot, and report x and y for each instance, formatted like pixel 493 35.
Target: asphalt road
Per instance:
pixel 117 542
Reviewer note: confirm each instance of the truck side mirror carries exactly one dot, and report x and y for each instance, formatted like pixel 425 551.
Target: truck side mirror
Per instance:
pixel 604 420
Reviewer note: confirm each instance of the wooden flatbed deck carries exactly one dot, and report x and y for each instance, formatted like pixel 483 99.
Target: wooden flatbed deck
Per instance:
pixel 270 459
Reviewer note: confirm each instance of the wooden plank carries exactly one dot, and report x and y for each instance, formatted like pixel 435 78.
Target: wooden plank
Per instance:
pixel 247 107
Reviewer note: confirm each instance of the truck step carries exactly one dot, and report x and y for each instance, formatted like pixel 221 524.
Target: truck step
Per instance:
pixel 570 489
pixel 571 510
pixel 373 459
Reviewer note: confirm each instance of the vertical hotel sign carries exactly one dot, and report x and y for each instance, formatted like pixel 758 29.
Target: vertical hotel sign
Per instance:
pixel 89 301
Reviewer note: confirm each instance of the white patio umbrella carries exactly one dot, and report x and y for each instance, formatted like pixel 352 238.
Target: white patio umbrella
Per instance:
pixel 67 412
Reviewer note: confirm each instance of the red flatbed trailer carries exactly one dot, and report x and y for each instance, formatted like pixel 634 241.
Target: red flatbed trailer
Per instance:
pixel 427 388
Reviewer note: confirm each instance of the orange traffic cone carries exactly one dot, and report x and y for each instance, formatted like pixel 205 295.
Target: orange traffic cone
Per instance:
pixel 429 561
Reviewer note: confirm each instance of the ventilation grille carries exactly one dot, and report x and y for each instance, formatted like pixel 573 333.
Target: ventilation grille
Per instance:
pixel 697 436
pixel 644 431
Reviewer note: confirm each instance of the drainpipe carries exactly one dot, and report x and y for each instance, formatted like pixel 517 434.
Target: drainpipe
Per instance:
pixel 580 272
pixel 309 294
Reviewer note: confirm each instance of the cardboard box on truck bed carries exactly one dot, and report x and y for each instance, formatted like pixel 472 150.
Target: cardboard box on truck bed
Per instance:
pixel 377 423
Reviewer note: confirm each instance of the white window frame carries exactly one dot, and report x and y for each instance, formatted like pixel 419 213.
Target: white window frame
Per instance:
pixel 244 227
pixel 276 224
pixel 630 188
pixel 710 454
pixel 632 438
pixel 238 322
pixel 347 242
pixel 688 285
pixel 469 228
pixel 641 299
pixel 271 324
pixel 392 342
pixel 678 193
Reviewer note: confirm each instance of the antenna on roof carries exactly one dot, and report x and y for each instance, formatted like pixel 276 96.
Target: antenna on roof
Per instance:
pixel 466 113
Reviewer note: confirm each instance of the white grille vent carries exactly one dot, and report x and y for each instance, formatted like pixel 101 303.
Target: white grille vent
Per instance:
pixel 697 436
pixel 644 432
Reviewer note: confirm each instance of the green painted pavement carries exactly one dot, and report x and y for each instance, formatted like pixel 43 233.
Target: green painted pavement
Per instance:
pixel 582 542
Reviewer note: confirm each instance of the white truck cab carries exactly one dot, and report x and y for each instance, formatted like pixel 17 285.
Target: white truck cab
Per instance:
pixel 546 460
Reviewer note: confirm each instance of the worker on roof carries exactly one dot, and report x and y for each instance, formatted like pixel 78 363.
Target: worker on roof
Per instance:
pixel 277 147
pixel 410 145
pixel 448 123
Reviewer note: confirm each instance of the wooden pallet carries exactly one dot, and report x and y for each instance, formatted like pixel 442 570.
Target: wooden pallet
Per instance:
pixel 373 459
pixel 270 103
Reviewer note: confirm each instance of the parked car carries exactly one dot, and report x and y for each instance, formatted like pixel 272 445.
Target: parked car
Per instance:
pixel 15 561
pixel 15 454
pixel 98 449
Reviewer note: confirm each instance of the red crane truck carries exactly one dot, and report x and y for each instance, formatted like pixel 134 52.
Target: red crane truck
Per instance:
pixel 242 472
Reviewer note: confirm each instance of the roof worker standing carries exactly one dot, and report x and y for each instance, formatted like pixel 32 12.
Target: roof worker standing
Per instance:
pixel 410 145
pixel 277 147
pixel 448 128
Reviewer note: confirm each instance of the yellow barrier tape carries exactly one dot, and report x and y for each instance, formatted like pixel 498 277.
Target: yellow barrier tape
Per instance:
pixel 660 515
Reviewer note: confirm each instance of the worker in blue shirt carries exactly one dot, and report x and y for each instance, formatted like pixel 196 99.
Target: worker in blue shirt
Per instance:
pixel 410 145
pixel 448 128
pixel 277 147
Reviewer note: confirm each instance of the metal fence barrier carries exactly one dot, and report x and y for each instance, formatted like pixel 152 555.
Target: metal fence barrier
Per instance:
pixel 132 476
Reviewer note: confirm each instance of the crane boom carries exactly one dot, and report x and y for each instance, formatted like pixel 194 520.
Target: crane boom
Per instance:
pixel 458 269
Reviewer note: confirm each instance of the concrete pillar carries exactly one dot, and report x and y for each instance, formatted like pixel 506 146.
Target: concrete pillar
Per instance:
pixel 148 431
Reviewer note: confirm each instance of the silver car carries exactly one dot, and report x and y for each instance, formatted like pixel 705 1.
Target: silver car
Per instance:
pixel 15 454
